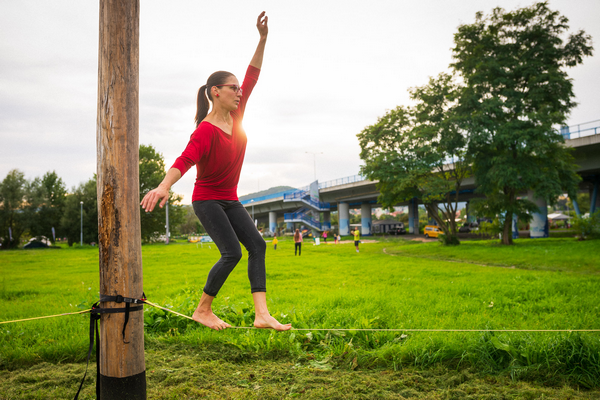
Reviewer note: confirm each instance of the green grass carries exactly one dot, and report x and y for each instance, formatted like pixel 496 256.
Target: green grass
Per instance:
pixel 551 284
pixel 557 254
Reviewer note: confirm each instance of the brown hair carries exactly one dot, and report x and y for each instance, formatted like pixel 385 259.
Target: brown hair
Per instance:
pixel 216 79
pixel 297 235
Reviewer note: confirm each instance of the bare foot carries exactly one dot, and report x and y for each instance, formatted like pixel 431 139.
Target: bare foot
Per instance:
pixel 269 322
pixel 210 320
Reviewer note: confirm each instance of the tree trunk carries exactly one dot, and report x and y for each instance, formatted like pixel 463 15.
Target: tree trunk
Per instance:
pixel 507 229
pixel 122 366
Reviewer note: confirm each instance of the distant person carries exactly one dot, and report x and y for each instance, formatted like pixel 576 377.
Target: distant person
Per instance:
pixel 217 148
pixel 339 238
pixel 297 243
pixel 324 236
pixel 356 238
pixel 275 242
pixel 335 238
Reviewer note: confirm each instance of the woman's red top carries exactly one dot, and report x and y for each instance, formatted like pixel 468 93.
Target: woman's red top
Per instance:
pixel 218 156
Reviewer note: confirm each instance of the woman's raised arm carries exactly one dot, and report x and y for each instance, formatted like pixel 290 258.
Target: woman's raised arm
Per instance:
pixel 263 30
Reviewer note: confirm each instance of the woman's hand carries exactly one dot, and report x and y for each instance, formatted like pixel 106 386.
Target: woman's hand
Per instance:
pixel 261 25
pixel 263 29
pixel 152 197
pixel 161 192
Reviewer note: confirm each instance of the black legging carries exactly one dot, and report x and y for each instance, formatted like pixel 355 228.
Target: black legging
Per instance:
pixel 298 248
pixel 228 223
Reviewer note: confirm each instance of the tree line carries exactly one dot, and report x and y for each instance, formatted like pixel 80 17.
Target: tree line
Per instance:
pixel 493 116
pixel 44 207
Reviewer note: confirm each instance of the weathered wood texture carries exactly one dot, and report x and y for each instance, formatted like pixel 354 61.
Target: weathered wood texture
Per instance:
pixel 118 185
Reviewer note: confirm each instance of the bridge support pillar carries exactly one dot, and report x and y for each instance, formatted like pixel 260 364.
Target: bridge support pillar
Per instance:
pixel 326 221
pixel 576 207
pixel 290 226
pixel 468 217
pixel 344 218
pixel 365 219
pixel 594 198
pixel 538 228
pixel 413 216
pixel 272 221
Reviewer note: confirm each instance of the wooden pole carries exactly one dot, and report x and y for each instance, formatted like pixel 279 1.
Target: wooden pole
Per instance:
pixel 122 366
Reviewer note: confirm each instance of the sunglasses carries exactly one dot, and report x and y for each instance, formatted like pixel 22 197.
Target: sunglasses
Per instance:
pixel 235 88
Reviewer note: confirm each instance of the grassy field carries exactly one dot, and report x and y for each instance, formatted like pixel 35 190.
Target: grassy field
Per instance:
pixel 536 284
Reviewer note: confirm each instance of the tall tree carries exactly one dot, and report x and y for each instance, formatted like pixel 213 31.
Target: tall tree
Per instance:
pixel 152 172
pixel 52 192
pixel 516 90
pixel 190 224
pixel 72 218
pixel 14 220
pixel 419 153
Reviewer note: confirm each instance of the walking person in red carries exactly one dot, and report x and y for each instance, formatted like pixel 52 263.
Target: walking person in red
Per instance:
pixel 217 148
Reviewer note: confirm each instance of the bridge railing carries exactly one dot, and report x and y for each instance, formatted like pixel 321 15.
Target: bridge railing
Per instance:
pixel 580 130
pixel 304 196
pixel 342 181
pixel 298 193
pixel 301 216
pixel 267 197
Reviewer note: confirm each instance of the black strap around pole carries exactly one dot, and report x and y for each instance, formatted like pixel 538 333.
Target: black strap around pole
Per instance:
pixel 128 301
pixel 120 299
pixel 95 317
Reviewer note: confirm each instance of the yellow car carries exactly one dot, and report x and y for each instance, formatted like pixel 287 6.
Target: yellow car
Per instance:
pixel 432 231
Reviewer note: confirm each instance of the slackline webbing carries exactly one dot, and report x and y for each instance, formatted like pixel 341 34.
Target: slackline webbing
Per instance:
pixel 144 301
pixel 47 316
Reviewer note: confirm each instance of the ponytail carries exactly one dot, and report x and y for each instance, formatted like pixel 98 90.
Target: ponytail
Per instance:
pixel 204 94
pixel 202 105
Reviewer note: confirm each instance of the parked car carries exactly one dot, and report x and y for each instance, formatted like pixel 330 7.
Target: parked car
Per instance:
pixel 398 230
pixel 432 231
pixel 306 233
pixel 465 228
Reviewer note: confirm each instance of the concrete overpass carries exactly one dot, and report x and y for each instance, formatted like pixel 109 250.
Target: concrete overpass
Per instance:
pixel 356 191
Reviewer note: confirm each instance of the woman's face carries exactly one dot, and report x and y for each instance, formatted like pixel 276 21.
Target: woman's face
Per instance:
pixel 230 93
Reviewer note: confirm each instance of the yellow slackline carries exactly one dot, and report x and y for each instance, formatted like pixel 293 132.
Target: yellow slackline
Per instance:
pixel 336 329
pixel 166 309
pixel 397 329
pixel 47 316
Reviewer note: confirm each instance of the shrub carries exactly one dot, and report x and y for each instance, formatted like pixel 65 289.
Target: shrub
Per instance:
pixel 450 240
pixel 587 228
pixel 491 229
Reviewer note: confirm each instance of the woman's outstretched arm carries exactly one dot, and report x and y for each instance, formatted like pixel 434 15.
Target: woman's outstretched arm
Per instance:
pixel 263 30
pixel 162 191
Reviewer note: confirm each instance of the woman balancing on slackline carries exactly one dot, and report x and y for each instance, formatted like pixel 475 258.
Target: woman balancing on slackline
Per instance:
pixel 217 148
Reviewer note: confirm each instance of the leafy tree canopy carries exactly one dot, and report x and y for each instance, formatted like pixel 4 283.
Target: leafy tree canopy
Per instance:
pixel 76 214
pixel 15 208
pixel 419 152
pixel 516 90
pixel 52 197
pixel 152 172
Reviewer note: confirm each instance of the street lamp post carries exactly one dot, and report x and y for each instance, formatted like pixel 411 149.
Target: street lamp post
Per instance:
pixel 314 160
pixel 168 233
pixel 81 235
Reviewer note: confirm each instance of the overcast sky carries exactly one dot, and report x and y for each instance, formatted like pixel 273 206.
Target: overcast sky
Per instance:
pixel 331 68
